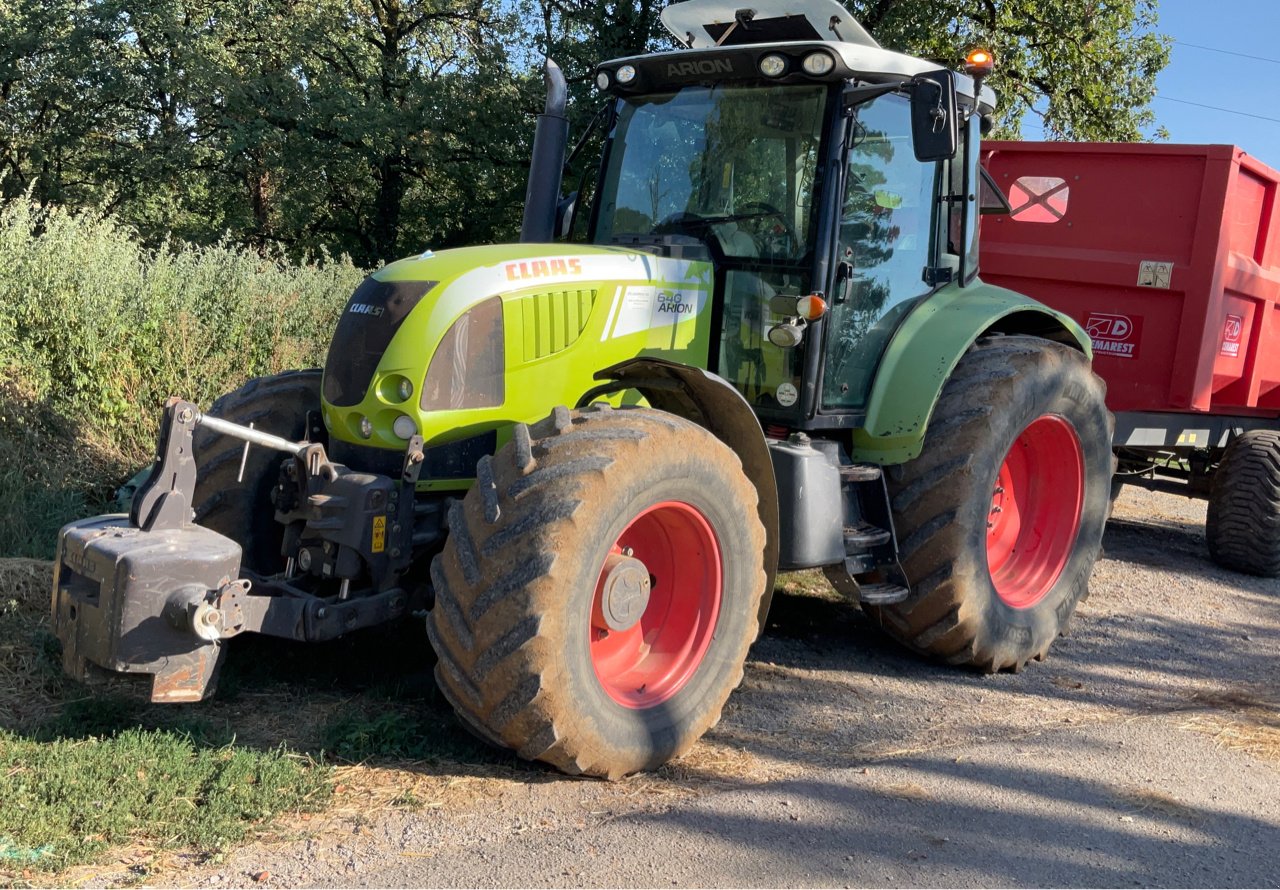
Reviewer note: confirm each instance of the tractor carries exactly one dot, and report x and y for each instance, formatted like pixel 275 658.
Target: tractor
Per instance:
pixel 755 340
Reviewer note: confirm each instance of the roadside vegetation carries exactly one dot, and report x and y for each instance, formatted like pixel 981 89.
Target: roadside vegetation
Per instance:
pixel 98 330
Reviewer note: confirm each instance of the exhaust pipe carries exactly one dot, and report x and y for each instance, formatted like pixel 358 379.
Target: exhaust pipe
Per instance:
pixel 550 141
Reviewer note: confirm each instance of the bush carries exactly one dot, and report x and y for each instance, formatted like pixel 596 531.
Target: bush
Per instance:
pixel 97 331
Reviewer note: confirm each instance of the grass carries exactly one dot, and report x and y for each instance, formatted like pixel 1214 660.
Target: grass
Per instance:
pixel 65 801
pixel 298 739
pixel 84 770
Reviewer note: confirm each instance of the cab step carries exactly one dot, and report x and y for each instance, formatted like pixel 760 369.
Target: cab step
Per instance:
pixel 873 593
pixel 882 594
pixel 858 539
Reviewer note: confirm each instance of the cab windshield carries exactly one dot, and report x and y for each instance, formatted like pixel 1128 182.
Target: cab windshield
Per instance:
pixel 734 168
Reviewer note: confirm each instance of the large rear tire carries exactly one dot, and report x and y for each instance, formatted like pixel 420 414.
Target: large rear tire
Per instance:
pixel 1243 524
pixel 1000 518
pixel 599 590
pixel 239 508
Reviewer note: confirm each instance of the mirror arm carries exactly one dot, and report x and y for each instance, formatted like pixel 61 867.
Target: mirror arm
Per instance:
pixel 855 96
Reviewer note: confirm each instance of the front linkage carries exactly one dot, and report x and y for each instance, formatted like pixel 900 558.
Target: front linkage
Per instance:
pixel 154 593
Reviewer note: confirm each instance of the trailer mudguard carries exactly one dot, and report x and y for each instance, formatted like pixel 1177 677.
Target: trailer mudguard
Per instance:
pixel 925 350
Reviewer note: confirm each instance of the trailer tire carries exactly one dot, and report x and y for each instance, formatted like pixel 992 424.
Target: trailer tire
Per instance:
pixel 1243 524
pixel 536 590
pixel 242 510
pixel 990 589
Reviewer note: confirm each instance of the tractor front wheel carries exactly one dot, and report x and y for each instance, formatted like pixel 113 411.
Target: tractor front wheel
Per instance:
pixel 599 589
pixel 1000 518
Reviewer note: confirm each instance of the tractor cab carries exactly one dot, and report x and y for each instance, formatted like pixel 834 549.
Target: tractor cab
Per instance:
pixel 826 179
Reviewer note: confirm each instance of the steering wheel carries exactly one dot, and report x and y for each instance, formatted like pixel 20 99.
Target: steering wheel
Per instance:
pixel 765 210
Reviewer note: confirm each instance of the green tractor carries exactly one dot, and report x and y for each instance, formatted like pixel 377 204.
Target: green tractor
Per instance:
pixel 585 460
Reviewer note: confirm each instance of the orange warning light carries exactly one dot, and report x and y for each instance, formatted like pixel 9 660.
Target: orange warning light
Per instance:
pixel 979 62
pixel 811 308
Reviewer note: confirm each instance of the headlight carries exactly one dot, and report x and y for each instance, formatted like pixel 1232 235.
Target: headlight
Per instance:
pixel 364 426
pixel 626 74
pixel 819 63
pixel 602 80
pixel 395 388
pixel 469 368
pixel 773 65
pixel 404 427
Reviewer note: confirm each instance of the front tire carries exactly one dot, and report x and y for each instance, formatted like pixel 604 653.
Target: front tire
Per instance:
pixel 1243 524
pixel 1000 518
pixel 599 590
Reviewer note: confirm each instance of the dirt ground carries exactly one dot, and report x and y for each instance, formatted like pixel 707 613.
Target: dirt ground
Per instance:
pixel 1144 751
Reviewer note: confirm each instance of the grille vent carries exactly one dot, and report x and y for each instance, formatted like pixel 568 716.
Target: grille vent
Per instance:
pixel 553 321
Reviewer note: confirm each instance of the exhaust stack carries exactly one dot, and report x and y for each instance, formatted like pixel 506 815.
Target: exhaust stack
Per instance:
pixel 546 169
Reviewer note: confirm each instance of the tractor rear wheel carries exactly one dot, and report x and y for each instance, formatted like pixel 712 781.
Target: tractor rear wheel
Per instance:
pixel 241 508
pixel 1000 518
pixel 1243 524
pixel 599 589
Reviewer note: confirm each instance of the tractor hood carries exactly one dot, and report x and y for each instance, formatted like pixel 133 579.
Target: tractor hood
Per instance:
pixel 466 341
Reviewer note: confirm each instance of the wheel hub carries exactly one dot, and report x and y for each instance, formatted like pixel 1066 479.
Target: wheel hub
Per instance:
pixel 656 603
pixel 626 592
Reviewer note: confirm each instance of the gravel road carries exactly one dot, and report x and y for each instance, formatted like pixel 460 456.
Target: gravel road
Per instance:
pixel 1144 751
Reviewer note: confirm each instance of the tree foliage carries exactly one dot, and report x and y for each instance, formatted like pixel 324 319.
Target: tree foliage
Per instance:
pixel 379 127
pixel 1086 68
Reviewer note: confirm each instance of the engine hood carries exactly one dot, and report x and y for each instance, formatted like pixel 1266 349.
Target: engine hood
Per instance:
pixel 554 315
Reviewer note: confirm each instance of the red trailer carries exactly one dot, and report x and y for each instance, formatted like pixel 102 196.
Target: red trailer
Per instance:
pixel 1169 255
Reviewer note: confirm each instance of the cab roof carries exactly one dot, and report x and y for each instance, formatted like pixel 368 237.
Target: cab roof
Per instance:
pixel 703 24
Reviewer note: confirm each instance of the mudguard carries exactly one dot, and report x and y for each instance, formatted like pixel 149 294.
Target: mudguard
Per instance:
pixel 920 358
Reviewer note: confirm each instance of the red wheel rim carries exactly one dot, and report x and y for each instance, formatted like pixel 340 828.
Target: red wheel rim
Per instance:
pixel 1035 511
pixel 647 663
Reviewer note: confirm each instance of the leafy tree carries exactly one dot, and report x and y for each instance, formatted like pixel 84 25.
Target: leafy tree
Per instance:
pixel 373 126
pixel 1087 68
pixel 379 127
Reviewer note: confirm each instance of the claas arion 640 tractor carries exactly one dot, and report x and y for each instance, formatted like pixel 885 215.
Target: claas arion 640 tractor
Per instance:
pixel 585 461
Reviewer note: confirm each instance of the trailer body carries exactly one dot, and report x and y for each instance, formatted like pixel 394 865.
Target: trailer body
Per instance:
pixel 1169 256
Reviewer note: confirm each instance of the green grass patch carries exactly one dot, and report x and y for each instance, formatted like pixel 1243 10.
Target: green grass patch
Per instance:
pixel 87 769
pixel 64 802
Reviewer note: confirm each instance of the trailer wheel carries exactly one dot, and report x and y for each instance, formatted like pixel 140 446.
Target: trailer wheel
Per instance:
pixel 1000 518
pixel 242 509
pixel 598 590
pixel 1243 524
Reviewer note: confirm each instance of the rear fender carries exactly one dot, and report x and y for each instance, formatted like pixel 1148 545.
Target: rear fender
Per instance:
pixel 926 349
pixel 712 403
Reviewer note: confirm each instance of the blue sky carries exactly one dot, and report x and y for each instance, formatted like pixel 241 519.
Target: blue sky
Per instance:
pixel 1249 27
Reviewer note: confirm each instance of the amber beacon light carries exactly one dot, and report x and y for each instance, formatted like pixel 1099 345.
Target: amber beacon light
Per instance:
pixel 979 63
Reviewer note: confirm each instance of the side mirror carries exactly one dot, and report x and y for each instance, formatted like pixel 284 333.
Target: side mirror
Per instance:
pixel 564 215
pixel 935 128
